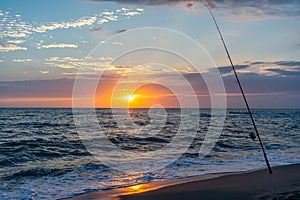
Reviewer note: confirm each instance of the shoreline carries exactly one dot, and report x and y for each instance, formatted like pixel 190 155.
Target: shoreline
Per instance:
pixel 252 184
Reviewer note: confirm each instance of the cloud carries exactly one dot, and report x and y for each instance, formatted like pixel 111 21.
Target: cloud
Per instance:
pixel 12 26
pixel 117 43
pixel 107 13
pixel 132 13
pixel 288 63
pixel 191 6
pixel 11 47
pixel 262 68
pixel 44 72
pixel 261 90
pixel 64 59
pixel 104 32
pixel 262 84
pixel 120 31
pixel 40 45
pixel 59 46
pixel 285 72
pixel 102 18
pixel 84 21
pixel 111 17
pixel 64 62
pixel 236 7
pixel 14 30
pixel 282 68
pixel 91 64
pixel 22 60
pixel 228 69
pixel 146 2
pixel 95 29
pixel 15 41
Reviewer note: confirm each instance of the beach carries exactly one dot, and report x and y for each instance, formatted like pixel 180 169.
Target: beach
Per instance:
pixel 247 185
pixel 43 157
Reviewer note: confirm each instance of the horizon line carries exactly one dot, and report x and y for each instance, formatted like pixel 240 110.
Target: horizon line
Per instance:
pixel 146 108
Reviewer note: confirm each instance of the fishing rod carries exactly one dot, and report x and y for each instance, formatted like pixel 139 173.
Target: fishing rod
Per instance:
pixel 242 91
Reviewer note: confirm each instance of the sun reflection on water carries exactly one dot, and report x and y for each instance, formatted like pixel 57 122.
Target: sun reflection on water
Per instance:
pixel 136 189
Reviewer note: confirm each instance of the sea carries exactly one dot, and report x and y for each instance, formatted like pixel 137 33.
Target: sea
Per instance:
pixel 43 156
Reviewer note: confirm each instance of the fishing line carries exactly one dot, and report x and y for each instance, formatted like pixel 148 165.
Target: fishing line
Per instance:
pixel 245 100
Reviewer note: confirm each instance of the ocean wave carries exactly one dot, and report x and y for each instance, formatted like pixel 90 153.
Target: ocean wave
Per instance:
pixel 37 172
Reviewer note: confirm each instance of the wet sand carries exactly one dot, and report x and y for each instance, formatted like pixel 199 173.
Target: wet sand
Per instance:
pixel 248 185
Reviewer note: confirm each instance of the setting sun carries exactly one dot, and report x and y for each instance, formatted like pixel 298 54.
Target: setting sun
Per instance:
pixel 143 97
pixel 131 97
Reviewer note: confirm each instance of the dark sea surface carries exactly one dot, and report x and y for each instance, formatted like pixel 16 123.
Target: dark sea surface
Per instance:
pixel 43 157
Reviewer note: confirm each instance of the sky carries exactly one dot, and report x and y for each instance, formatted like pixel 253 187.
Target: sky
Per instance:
pixel 45 46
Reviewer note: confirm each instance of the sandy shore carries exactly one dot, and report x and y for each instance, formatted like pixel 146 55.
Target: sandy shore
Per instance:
pixel 248 185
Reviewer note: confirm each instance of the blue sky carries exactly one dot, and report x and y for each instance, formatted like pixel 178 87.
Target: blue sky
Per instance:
pixel 44 42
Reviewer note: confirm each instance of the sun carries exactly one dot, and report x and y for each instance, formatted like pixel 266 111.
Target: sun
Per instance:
pixel 131 97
